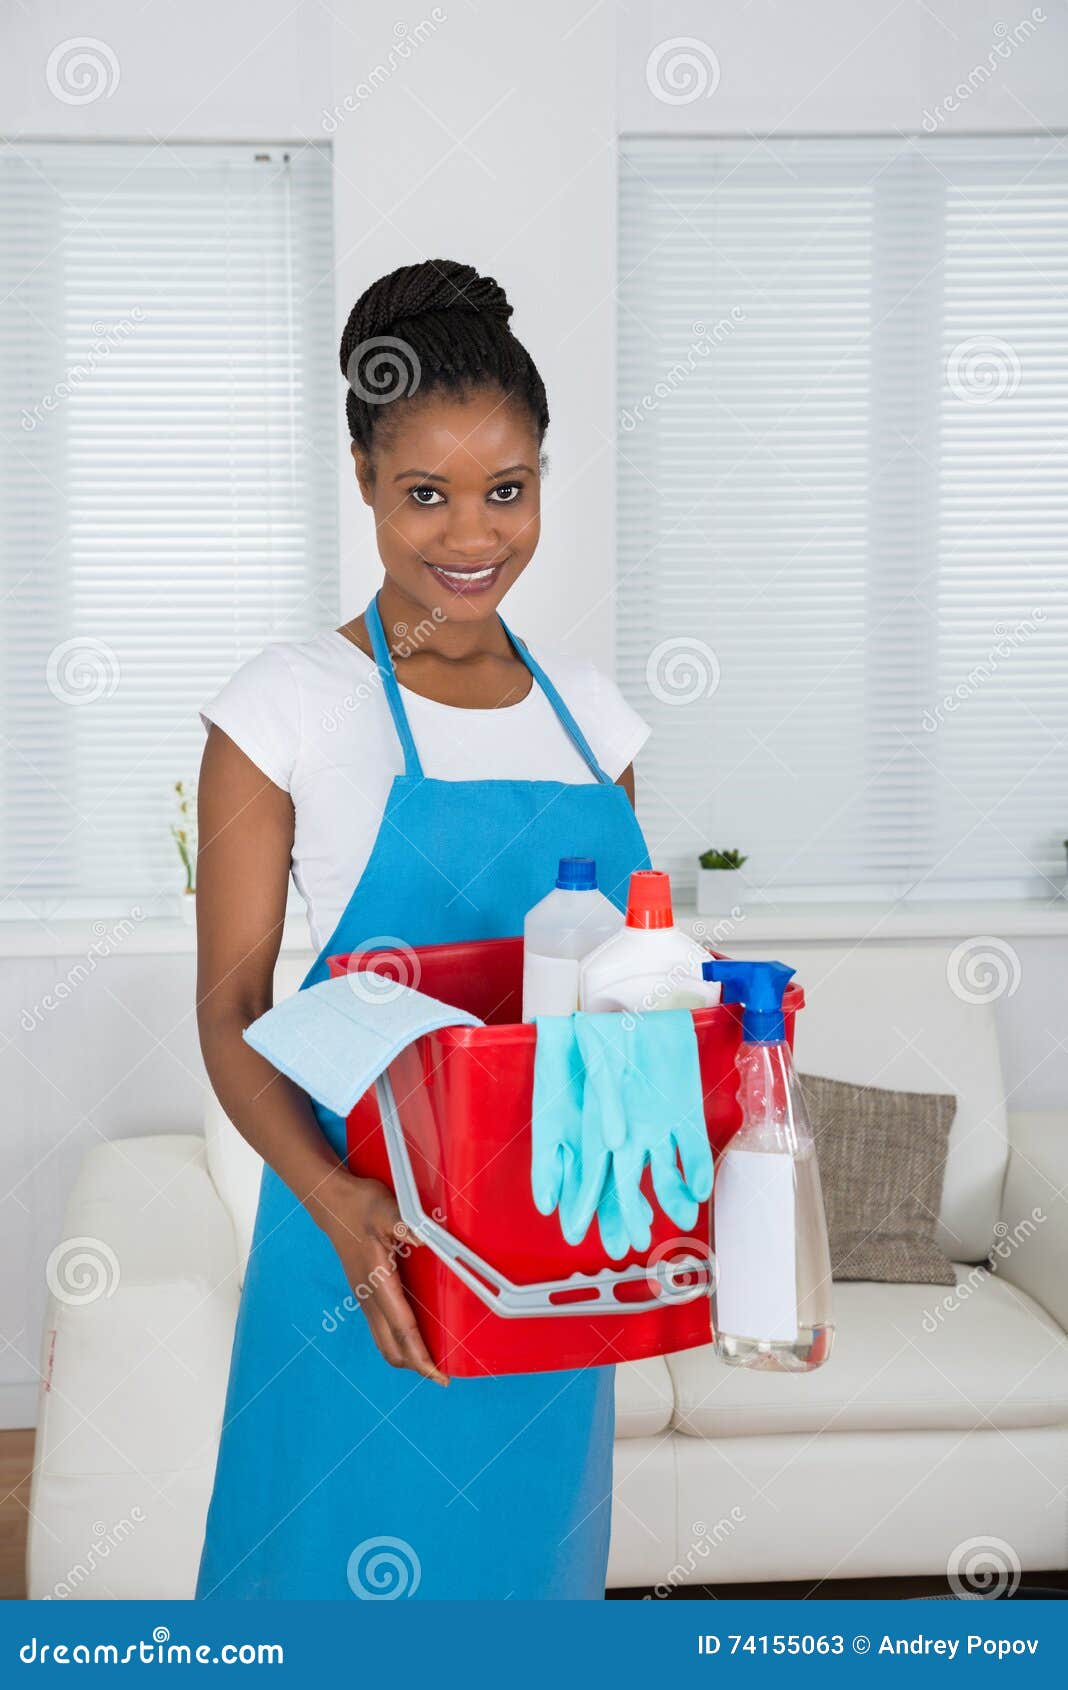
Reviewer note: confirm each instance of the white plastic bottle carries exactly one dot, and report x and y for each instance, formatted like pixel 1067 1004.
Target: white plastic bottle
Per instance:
pixel 558 932
pixel 650 963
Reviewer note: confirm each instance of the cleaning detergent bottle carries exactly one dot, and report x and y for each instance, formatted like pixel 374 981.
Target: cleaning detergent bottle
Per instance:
pixel 650 963
pixel 771 1305
pixel 558 932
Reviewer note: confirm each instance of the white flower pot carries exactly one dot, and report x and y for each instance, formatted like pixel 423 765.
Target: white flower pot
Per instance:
pixel 187 907
pixel 720 890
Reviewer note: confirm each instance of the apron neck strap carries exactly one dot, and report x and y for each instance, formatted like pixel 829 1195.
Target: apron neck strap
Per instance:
pixel 578 738
pixel 412 765
pixel 380 647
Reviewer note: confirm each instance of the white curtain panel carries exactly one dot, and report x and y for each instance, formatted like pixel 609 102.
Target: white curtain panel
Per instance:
pixel 168 463
pixel 843 512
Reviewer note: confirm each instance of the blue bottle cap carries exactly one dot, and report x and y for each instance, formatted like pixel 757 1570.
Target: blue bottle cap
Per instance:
pixel 577 874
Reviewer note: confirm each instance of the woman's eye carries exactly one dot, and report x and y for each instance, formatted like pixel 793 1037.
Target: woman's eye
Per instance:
pixel 507 493
pixel 425 495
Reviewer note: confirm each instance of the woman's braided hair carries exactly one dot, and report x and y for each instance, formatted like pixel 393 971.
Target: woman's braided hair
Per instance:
pixel 432 326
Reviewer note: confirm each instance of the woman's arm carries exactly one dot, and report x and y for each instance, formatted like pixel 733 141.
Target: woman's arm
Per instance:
pixel 245 841
pixel 626 781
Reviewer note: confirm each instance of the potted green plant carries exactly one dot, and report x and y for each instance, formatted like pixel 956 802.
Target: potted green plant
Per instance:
pixel 184 834
pixel 720 882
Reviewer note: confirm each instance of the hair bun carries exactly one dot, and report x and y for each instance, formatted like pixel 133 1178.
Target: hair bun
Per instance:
pixel 436 286
pixel 435 326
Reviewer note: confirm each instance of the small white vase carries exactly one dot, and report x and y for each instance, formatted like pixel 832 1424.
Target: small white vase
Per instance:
pixel 187 907
pixel 720 890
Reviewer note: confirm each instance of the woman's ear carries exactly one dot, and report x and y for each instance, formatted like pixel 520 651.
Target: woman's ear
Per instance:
pixel 365 479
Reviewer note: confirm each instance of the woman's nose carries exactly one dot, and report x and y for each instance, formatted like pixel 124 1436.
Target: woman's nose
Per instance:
pixel 470 531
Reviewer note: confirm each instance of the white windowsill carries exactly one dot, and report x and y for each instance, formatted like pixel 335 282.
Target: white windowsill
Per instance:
pixel 953 919
pixel 760 923
pixel 155 936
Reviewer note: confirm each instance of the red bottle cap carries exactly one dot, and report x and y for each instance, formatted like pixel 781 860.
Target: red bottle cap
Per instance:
pixel 649 899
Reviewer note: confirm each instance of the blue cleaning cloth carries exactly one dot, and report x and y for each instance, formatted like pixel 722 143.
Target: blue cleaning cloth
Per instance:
pixel 334 1039
pixel 613 1093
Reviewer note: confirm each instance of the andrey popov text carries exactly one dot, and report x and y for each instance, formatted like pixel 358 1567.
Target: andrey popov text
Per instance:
pixel 834 1643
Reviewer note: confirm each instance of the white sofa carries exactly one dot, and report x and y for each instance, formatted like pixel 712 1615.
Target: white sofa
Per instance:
pixel 942 1416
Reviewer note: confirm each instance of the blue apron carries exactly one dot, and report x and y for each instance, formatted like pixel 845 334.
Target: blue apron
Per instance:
pixel 339 1476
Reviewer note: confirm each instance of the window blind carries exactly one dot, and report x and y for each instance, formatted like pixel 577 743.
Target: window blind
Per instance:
pixel 168 476
pixel 843 514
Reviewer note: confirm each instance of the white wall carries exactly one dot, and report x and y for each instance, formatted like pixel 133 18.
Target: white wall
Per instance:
pixel 846 66
pixel 492 143
pixel 191 72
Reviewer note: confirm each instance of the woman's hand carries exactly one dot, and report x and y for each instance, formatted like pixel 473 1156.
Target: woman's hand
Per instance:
pixel 363 1222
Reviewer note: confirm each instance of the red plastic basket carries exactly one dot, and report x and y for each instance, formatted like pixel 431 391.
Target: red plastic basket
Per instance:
pixel 457 1106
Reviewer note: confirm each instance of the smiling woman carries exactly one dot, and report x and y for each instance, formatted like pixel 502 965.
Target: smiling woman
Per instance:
pixel 421 770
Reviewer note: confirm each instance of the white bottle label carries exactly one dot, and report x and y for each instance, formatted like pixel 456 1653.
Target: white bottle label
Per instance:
pixel 550 985
pixel 756 1250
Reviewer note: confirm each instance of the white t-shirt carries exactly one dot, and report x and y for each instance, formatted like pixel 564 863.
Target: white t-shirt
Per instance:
pixel 313 715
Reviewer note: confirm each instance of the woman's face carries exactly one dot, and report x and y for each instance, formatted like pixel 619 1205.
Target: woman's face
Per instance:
pixel 455 491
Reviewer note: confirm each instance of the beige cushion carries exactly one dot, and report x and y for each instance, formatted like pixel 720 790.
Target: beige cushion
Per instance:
pixel 882 1155
pixel 905 1357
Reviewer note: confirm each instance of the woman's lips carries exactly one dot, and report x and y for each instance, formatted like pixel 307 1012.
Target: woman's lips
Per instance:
pixel 467 581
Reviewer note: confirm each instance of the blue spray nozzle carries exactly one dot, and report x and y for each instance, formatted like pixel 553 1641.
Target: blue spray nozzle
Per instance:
pixel 759 988
pixel 577 874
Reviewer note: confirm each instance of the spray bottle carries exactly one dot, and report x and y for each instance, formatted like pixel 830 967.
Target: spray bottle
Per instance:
pixel 772 1300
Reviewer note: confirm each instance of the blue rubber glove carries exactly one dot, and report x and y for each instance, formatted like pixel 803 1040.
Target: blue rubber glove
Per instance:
pixel 569 1159
pixel 624 1216
pixel 611 1094
pixel 643 1097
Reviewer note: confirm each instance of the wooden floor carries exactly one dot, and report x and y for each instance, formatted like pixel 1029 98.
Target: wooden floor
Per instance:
pixel 16 1460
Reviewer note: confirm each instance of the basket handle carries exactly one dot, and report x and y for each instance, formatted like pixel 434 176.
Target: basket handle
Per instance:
pixel 494 1288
